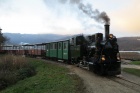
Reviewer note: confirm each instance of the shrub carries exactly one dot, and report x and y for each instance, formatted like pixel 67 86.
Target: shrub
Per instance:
pixel 26 72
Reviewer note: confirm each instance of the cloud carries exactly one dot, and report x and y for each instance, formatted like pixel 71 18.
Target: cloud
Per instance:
pixel 22 16
pixel 127 19
pixel 51 16
pixel 44 16
pixel 124 15
pixel 35 16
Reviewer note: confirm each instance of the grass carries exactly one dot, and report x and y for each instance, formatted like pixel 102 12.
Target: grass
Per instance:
pixel 136 62
pixel 50 78
pixel 132 71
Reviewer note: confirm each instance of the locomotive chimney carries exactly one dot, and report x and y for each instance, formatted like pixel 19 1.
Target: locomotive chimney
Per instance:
pixel 106 31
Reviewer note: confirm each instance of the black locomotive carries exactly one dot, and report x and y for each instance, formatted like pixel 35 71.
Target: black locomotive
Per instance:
pixel 99 55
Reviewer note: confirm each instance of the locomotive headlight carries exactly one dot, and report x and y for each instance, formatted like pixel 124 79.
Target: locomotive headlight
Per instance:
pixel 103 58
pixel 118 58
pixel 110 35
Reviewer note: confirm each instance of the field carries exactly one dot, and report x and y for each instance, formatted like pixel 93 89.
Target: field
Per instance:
pixel 132 71
pixel 135 62
pixel 49 78
pixel 130 55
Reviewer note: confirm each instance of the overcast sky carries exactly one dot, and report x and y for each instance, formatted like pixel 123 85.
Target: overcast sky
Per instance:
pixel 65 17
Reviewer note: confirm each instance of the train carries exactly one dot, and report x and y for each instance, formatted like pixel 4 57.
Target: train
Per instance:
pixel 99 54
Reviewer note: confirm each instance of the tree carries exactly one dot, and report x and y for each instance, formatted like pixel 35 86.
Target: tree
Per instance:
pixel 3 39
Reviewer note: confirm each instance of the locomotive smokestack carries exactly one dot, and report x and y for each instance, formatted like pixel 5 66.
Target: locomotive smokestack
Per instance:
pixel 106 31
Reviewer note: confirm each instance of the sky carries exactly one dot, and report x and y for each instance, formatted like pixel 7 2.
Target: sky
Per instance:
pixel 66 18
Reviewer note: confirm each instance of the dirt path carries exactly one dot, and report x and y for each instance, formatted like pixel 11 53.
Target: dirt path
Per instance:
pixel 98 84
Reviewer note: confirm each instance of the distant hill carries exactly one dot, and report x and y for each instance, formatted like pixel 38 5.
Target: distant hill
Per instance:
pixel 129 43
pixel 17 38
pixel 125 43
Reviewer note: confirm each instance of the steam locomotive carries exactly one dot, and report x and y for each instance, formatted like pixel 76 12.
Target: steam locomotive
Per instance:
pixel 101 56
pixel 98 54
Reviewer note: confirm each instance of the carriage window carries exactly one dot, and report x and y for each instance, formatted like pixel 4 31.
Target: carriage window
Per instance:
pixel 55 46
pixel 39 47
pixel 65 45
pixel 72 41
pixel 43 47
pixel 51 46
pixel 59 45
pixel 47 46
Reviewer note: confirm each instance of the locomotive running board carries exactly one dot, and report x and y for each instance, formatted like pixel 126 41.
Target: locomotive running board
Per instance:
pixel 60 60
pixel 82 66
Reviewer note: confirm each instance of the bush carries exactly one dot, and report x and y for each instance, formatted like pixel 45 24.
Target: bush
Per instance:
pixel 3 84
pixel 26 72
pixel 13 69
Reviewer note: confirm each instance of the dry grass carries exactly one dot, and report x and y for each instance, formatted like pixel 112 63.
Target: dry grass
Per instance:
pixel 14 68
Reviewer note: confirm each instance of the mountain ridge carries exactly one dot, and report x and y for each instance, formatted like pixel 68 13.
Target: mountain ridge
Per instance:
pixel 125 43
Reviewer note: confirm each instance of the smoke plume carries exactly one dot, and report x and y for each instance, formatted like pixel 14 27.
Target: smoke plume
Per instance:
pixel 75 1
pixel 98 16
pixel 101 17
pixel 62 1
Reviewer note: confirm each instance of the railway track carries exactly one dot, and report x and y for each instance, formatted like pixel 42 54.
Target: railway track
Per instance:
pixel 123 81
pixel 123 78
pixel 126 82
pixel 116 77
pixel 118 81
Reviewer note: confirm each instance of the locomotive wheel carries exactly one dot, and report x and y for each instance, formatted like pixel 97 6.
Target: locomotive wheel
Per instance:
pixel 101 71
pixel 90 68
pixel 72 61
pixel 95 70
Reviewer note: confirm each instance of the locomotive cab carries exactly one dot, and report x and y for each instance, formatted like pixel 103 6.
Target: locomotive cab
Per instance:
pixel 77 47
